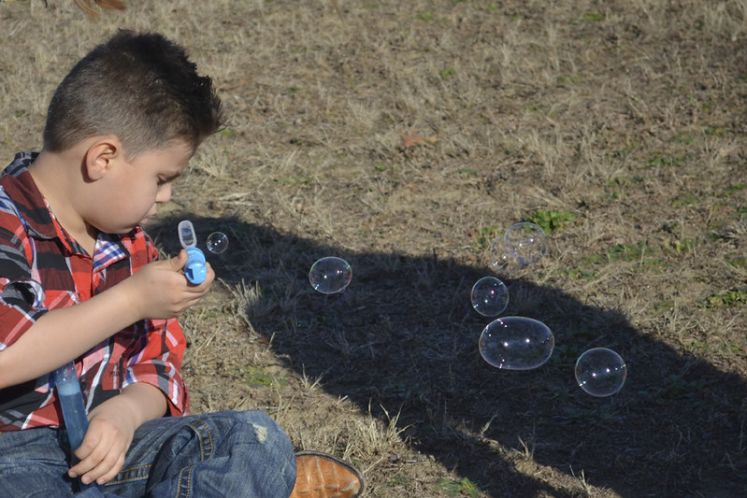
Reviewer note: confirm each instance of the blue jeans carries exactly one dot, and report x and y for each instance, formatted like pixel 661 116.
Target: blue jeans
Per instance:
pixel 232 454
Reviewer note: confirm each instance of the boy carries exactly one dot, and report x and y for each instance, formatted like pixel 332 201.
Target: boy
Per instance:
pixel 79 280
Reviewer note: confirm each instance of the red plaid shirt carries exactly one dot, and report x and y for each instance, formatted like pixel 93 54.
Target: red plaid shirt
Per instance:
pixel 42 268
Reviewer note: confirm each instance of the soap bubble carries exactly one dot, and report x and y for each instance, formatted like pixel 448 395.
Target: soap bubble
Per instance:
pixel 600 372
pixel 489 296
pixel 522 245
pixel 217 242
pixel 516 343
pixel 330 275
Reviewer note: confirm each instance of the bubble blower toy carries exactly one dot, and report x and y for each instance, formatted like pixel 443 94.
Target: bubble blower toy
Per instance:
pixel 74 414
pixel 195 269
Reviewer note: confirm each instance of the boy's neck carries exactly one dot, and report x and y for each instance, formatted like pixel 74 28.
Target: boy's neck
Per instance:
pixel 54 175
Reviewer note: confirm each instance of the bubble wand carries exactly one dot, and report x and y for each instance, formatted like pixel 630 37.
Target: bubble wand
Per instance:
pixel 195 269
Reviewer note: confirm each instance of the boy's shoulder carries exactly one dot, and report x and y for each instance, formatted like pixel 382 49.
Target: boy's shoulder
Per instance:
pixel 20 200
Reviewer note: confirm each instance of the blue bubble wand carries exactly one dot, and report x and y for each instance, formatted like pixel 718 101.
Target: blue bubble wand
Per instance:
pixel 195 269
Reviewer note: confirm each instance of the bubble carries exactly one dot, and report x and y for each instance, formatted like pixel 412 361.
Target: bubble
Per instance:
pixel 489 296
pixel 330 275
pixel 516 343
pixel 600 372
pixel 217 242
pixel 522 245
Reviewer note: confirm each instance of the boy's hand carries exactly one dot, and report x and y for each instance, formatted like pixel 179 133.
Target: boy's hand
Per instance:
pixel 102 452
pixel 160 289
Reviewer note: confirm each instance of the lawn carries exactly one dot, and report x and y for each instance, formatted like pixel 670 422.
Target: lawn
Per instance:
pixel 405 137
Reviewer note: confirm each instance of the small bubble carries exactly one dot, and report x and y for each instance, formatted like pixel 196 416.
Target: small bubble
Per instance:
pixel 489 296
pixel 217 242
pixel 330 275
pixel 600 372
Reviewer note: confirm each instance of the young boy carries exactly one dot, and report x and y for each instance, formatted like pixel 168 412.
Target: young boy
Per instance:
pixel 80 280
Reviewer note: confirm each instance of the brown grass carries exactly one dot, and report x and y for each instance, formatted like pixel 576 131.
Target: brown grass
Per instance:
pixel 403 136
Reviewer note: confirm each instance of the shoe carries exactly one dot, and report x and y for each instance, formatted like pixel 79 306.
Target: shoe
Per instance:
pixel 319 475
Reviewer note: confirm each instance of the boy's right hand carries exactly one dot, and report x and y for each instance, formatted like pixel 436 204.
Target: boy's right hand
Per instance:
pixel 159 290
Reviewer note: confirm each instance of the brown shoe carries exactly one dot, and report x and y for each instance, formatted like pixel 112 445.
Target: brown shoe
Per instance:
pixel 319 475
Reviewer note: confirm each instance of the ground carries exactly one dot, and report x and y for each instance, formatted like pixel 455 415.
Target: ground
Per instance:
pixel 406 136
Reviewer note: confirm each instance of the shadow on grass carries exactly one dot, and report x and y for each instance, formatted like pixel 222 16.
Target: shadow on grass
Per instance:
pixel 403 339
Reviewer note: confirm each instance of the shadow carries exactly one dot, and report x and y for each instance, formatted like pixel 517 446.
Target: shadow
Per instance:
pixel 403 339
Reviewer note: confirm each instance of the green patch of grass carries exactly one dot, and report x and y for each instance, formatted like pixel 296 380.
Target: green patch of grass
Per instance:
pixel 626 252
pixel 715 131
pixel 733 189
pixel 684 138
pixel 617 185
pixel 569 80
pixel 742 212
pixel 578 273
pixel 468 172
pixel 256 377
pixel 685 200
pixel 399 480
pixel 293 180
pixel 592 16
pixel 664 306
pixel 425 15
pixel 683 246
pixel 738 262
pixel 727 299
pixel 552 221
pixel 486 235
pixel 462 487
pixel 446 73
pixel 665 161
pixel 227 132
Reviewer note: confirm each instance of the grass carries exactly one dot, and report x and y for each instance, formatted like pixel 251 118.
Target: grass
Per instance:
pixel 405 137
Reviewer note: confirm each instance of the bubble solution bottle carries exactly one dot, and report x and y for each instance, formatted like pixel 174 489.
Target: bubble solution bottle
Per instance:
pixel 74 415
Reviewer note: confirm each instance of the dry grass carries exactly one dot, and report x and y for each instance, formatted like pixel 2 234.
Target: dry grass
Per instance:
pixel 402 136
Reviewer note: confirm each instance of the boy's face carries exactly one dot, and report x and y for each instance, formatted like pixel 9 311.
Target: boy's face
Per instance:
pixel 129 193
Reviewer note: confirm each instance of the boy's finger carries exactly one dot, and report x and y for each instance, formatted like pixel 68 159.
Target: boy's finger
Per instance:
pixel 104 466
pixel 178 261
pixel 85 465
pixel 113 471
pixel 90 442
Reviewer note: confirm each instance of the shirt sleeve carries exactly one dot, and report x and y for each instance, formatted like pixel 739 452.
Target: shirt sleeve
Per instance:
pixel 21 295
pixel 159 362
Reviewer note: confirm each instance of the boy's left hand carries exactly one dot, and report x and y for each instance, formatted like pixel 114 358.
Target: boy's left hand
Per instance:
pixel 102 452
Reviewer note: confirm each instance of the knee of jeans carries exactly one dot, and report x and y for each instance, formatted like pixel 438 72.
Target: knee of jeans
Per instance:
pixel 264 429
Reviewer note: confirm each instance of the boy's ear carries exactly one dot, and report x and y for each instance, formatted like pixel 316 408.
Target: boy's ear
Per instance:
pixel 101 156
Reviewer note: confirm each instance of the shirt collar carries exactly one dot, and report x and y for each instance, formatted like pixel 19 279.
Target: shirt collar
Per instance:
pixel 27 197
pixel 109 248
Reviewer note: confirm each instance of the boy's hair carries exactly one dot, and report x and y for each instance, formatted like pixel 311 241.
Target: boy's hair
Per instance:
pixel 141 88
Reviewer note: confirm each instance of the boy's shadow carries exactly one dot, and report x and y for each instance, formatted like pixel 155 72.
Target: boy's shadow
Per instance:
pixel 403 339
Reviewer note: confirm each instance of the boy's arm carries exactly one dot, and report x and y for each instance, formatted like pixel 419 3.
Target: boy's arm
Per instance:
pixel 84 326
pixel 158 291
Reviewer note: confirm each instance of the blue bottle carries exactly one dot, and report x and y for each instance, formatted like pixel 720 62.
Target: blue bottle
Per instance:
pixel 74 416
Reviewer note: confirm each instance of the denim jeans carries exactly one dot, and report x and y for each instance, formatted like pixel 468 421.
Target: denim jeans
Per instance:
pixel 231 454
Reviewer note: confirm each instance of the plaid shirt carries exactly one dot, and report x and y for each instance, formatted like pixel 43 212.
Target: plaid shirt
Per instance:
pixel 42 268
